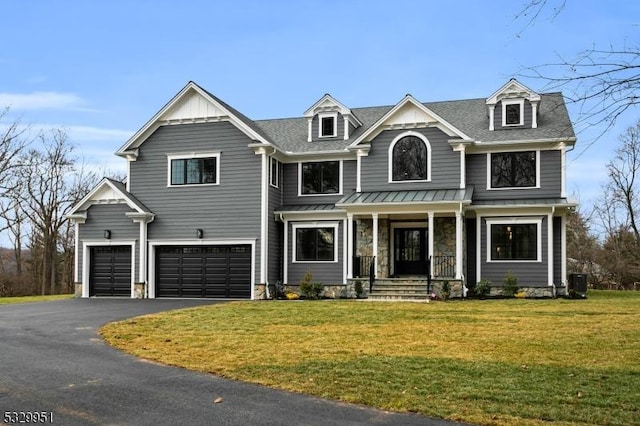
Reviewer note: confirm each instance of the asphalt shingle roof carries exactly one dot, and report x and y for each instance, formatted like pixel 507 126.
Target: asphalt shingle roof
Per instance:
pixel 469 116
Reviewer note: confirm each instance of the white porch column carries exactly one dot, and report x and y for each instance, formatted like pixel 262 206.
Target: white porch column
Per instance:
pixel 550 247
pixel 349 246
pixel 458 245
pixel 143 253
pixel 375 242
pixel 431 236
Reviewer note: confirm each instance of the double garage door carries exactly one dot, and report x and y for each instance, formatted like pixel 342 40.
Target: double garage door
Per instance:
pixel 203 271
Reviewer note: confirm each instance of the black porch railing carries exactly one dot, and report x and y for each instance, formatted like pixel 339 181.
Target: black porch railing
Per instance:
pixel 444 266
pixel 362 266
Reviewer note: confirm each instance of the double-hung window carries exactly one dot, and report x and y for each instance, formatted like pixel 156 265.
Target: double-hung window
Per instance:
pixel 201 169
pixel 514 169
pixel 512 113
pixel 321 177
pixel 328 125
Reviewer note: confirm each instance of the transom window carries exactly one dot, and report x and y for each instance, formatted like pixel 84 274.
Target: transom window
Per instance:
pixel 514 169
pixel 409 159
pixel 517 241
pixel 315 244
pixel 196 170
pixel 512 113
pixel 328 126
pixel 320 178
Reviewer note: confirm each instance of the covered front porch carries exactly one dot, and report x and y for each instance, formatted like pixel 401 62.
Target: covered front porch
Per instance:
pixel 406 234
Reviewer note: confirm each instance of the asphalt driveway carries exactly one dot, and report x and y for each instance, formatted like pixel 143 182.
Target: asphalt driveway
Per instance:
pixel 52 360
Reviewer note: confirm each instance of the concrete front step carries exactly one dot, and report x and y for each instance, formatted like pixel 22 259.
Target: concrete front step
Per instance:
pixel 397 296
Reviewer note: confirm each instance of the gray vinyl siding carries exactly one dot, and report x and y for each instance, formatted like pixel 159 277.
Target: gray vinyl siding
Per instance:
pixel 528 117
pixel 276 236
pixel 557 250
pixel 530 274
pixel 315 123
pixel 229 210
pixel 324 272
pixel 290 184
pixel 550 179
pixel 445 163
pixel 112 217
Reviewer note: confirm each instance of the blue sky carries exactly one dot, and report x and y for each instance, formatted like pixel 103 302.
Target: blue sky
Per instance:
pixel 102 69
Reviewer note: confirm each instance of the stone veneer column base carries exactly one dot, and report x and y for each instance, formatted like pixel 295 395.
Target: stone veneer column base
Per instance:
pixel 77 290
pixel 138 290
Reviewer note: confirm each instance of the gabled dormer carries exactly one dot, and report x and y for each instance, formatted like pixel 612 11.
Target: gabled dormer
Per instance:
pixel 513 106
pixel 328 119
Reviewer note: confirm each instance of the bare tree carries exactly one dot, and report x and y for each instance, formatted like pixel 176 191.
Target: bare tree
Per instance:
pixel 12 143
pixel 603 81
pixel 619 210
pixel 50 187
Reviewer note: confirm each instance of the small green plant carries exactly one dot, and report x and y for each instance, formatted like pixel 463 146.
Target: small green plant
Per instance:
pixel 311 291
pixel 483 288
pixel 445 291
pixel 359 288
pixel 510 285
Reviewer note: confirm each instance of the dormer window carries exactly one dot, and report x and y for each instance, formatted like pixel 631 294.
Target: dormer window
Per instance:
pixel 328 125
pixel 512 113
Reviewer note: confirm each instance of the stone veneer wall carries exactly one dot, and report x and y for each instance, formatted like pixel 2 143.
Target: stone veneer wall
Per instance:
pixel 444 236
pixel 364 243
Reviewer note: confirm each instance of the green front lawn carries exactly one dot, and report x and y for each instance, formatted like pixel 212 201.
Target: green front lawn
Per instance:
pixel 29 299
pixel 489 362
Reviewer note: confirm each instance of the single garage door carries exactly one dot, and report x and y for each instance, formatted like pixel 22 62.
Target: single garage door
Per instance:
pixel 110 271
pixel 203 271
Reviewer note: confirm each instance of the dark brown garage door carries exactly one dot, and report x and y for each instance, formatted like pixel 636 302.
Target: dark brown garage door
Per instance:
pixel 203 271
pixel 110 271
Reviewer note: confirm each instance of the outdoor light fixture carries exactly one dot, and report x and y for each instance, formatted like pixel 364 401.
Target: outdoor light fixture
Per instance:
pixel 199 233
pixel 107 234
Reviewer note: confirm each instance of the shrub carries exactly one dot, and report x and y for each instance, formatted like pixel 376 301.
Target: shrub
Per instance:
pixel 289 295
pixel 483 288
pixel 445 291
pixel 471 289
pixel 359 288
pixel 311 290
pixel 510 285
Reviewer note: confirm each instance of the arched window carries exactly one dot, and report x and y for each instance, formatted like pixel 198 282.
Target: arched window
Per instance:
pixel 410 157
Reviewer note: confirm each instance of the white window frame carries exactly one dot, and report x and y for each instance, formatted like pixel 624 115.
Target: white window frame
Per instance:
pixel 340 173
pixel 504 112
pixel 515 221
pixel 274 180
pixel 510 188
pixel 333 115
pixel 390 157
pixel 188 156
pixel 316 225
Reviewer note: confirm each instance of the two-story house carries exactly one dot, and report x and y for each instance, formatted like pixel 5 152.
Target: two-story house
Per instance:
pixel 217 205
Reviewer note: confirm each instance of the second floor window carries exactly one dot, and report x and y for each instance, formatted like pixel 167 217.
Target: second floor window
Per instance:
pixel 193 171
pixel 409 159
pixel 328 126
pixel 513 169
pixel 320 178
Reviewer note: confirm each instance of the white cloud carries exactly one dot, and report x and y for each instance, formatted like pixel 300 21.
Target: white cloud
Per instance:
pixel 42 100
pixel 88 133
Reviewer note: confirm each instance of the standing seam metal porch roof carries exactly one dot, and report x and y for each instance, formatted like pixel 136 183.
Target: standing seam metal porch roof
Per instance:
pixel 432 196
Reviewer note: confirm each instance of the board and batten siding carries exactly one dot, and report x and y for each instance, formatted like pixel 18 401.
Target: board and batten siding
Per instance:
pixel 101 217
pixel 325 272
pixel 290 183
pixel 445 163
pixel 226 211
pixel 529 274
pixel 550 179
